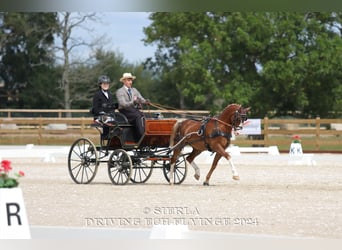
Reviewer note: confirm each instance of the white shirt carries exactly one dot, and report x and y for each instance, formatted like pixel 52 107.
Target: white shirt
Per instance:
pixel 105 93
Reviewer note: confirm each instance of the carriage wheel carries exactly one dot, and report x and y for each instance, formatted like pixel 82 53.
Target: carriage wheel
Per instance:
pixel 119 167
pixel 83 161
pixel 180 170
pixel 141 172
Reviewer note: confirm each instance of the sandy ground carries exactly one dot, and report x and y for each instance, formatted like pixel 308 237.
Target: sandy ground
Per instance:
pixel 273 197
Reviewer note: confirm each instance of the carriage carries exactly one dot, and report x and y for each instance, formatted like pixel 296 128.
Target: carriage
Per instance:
pixel 161 147
pixel 127 159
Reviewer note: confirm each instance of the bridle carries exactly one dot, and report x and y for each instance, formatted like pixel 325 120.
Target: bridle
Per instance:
pixel 238 116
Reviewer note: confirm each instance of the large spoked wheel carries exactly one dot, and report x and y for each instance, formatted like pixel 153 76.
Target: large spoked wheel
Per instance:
pixel 83 161
pixel 180 170
pixel 141 172
pixel 119 167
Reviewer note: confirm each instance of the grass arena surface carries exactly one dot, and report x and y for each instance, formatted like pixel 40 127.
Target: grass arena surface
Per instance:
pixel 272 198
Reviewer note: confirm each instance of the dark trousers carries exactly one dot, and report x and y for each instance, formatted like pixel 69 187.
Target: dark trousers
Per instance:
pixel 137 118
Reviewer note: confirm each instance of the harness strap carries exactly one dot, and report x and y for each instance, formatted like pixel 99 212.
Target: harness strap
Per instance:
pixel 201 134
pixel 220 133
pixel 203 126
pixel 215 133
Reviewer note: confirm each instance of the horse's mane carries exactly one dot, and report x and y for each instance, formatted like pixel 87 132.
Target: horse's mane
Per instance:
pixel 230 105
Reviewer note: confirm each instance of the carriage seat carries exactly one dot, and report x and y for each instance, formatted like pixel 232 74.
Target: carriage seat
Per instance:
pixel 109 117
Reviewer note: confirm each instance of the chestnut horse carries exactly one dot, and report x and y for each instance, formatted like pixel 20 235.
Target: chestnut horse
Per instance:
pixel 211 134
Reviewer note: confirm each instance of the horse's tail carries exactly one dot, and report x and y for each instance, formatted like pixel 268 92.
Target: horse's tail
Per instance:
pixel 174 133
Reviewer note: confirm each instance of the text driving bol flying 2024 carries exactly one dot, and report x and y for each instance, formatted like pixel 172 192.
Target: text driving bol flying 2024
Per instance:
pixel 171 216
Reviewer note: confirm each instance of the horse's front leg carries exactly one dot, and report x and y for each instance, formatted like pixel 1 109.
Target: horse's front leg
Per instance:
pixel 220 150
pixel 213 166
pixel 234 171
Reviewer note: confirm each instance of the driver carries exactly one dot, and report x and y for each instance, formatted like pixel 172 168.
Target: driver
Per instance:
pixel 130 101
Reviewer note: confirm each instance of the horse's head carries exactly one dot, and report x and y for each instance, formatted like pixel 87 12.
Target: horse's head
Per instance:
pixel 236 115
pixel 239 117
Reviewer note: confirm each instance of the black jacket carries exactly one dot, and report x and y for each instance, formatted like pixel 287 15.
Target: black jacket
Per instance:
pixel 102 104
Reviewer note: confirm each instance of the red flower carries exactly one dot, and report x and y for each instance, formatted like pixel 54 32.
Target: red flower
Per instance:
pixel 6 165
pixel 6 181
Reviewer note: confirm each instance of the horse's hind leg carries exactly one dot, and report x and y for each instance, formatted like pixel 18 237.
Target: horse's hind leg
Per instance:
pixel 190 158
pixel 174 157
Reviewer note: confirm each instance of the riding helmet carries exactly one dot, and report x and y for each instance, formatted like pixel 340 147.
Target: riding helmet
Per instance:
pixel 102 79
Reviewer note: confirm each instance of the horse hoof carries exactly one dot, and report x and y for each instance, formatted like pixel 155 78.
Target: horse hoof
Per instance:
pixel 236 177
pixel 196 176
pixel 205 183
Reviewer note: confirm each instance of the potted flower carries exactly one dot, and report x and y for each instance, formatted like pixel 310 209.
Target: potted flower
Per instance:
pixel 13 219
pixel 296 146
pixel 6 181
pixel 296 139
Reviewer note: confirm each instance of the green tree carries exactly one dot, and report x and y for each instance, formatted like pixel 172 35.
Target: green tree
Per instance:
pixel 25 53
pixel 300 65
pixel 183 57
pixel 107 63
pixel 275 62
pixel 86 76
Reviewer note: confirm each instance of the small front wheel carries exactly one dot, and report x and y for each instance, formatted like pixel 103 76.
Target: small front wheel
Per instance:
pixel 119 167
pixel 180 170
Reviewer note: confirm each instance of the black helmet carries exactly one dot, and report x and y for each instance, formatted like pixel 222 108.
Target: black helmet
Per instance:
pixel 102 79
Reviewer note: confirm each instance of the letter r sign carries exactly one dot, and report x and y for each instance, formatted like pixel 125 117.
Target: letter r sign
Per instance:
pixel 12 210
pixel 13 220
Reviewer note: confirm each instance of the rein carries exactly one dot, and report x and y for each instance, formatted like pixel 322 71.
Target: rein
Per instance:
pixel 195 117
pixel 224 123
pixel 171 110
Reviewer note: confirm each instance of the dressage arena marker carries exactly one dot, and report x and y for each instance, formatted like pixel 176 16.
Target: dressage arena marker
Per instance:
pixel 297 157
pixel 13 218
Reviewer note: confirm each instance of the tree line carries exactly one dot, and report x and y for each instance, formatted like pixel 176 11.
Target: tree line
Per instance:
pixel 279 63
